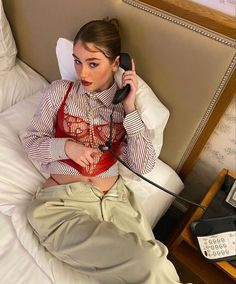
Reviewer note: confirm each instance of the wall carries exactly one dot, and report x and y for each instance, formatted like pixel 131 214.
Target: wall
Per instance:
pixel 218 153
pixel 225 6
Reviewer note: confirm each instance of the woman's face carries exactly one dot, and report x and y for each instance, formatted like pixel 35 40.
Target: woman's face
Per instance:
pixel 93 68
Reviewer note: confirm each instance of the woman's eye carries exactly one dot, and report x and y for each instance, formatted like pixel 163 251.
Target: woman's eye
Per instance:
pixel 76 61
pixel 93 65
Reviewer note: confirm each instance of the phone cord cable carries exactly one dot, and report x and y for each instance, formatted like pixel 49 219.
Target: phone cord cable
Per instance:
pixel 153 183
pixel 108 147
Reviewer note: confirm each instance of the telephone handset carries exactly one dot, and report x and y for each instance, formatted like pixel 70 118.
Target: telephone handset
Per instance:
pixel 126 64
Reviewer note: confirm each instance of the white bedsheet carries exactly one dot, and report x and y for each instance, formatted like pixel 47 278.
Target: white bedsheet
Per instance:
pixel 16 265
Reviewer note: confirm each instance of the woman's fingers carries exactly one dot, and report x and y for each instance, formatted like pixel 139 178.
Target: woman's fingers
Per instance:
pixel 82 164
pixel 133 65
pixel 88 157
pixel 129 77
pixel 80 154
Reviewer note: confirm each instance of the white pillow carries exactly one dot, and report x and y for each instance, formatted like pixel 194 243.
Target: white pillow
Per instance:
pixel 153 113
pixel 19 178
pixel 7 43
pixel 18 83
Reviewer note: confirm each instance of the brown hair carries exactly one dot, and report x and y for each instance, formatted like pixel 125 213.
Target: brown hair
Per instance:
pixel 103 34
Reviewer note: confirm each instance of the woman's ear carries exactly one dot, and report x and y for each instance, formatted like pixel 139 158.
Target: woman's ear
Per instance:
pixel 116 64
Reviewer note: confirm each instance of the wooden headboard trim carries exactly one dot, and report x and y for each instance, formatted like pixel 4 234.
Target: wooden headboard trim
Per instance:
pixel 176 20
pixel 199 14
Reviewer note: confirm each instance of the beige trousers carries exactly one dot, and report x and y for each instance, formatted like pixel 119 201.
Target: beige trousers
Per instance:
pixel 105 236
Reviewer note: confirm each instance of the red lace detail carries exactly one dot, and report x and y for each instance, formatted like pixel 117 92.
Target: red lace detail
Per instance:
pixel 79 130
pixel 90 136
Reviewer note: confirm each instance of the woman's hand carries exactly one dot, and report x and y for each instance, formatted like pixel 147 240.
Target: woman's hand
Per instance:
pixel 80 154
pixel 130 77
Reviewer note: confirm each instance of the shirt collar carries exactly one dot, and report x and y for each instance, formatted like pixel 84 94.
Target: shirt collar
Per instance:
pixel 105 96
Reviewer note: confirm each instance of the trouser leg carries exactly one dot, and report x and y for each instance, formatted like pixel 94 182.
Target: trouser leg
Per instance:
pixel 97 247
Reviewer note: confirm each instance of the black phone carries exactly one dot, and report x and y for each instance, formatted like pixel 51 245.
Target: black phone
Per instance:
pixel 215 237
pixel 126 64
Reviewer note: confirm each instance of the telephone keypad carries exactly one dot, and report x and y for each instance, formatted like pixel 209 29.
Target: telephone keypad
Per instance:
pixel 218 245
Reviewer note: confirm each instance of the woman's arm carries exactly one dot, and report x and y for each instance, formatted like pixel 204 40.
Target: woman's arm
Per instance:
pixel 139 152
pixel 39 141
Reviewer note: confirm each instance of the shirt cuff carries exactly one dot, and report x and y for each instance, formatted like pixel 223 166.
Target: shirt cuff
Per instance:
pixel 133 123
pixel 58 149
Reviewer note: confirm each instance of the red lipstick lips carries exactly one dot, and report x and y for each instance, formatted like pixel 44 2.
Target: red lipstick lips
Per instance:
pixel 85 83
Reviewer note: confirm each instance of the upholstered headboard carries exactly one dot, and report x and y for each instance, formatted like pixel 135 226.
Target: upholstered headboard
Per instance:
pixel 189 67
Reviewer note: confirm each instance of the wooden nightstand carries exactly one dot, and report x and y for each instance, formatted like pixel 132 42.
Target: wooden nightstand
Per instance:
pixel 182 247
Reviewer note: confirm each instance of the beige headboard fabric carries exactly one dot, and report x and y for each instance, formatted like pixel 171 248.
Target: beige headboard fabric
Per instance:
pixel 186 65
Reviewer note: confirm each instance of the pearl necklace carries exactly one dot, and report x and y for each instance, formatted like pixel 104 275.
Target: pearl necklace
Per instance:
pixel 90 114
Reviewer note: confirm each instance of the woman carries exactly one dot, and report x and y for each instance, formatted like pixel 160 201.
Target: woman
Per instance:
pixel 84 214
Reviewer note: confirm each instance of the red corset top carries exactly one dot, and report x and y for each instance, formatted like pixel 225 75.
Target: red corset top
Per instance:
pixel 89 135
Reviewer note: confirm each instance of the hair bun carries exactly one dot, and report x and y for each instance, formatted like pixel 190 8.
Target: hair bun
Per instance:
pixel 113 21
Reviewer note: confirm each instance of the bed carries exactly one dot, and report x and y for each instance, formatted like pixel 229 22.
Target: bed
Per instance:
pixel 22 259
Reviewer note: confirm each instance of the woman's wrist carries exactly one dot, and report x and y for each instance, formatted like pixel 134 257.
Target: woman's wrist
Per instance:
pixel 129 108
pixel 68 144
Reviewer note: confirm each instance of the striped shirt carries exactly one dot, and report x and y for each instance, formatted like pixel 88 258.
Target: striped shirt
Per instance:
pixel 41 145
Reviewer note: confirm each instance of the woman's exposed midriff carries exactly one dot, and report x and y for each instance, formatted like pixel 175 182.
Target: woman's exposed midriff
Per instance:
pixel 104 184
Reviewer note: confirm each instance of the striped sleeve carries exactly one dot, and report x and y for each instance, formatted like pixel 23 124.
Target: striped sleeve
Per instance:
pixel 39 141
pixel 139 152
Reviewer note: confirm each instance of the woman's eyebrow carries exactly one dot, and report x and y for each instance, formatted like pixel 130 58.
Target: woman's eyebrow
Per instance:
pixel 88 59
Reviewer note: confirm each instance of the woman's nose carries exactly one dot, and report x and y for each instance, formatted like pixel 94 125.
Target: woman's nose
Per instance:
pixel 83 71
